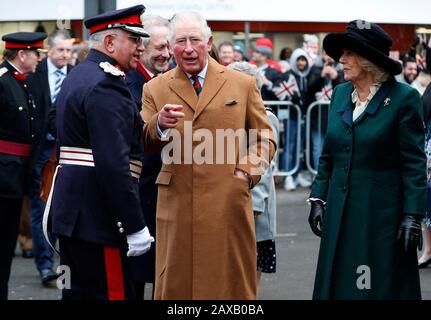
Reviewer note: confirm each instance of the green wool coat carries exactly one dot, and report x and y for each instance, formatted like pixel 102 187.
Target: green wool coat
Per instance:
pixel 371 173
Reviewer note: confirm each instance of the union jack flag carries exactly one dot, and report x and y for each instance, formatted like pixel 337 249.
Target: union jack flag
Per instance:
pixel 325 94
pixel 286 89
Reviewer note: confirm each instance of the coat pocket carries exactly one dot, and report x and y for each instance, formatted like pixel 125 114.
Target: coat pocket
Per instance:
pixel 164 205
pixel 164 178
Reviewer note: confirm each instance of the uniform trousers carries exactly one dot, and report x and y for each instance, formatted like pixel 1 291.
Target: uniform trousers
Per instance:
pixel 10 214
pixel 97 272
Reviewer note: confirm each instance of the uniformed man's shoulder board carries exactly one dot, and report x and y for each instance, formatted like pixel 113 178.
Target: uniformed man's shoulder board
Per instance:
pixel 3 71
pixel 109 68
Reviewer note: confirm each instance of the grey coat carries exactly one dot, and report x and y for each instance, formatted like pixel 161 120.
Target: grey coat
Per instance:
pixel 264 198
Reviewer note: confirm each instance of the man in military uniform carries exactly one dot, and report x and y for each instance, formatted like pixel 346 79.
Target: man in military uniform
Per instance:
pixel 95 208
pixel 17 111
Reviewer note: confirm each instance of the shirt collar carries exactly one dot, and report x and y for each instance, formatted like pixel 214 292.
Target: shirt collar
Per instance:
pixel 201 74
pixel 16 68
pixel 52 68
pixel 149 72
pixel 373 89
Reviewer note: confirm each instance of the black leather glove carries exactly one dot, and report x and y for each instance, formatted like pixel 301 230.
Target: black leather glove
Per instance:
pixel 315 219
pixel 410 233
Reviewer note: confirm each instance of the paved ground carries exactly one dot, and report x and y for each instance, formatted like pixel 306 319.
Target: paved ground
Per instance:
pixel 297 250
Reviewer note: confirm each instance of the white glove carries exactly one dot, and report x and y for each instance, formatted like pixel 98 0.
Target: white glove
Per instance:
pixel 139 242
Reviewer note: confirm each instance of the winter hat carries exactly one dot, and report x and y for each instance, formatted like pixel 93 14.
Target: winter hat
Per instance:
pixel 368 40
pixel 264 46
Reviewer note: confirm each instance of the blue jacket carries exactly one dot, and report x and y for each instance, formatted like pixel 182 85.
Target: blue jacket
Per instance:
pixel 95 110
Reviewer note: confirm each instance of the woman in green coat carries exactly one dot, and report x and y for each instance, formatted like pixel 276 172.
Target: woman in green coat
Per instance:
pixel 368 197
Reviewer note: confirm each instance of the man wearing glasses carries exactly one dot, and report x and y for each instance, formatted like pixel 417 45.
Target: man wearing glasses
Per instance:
pixel 95 209
pixel 17 111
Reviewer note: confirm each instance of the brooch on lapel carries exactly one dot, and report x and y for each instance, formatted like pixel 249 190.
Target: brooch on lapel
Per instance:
pixel 109 68
pixel 387 101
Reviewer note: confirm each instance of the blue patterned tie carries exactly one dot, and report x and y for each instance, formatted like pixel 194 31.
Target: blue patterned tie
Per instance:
pixel 59 77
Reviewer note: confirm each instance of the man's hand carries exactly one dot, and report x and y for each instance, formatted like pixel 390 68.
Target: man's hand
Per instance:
pixel 243 176
pixel 139 242
pixel 169 116
pixel 329 71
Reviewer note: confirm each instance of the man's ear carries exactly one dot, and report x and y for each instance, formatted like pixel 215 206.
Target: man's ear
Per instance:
pixel 108 43
pixel 209 43
pixel 21 56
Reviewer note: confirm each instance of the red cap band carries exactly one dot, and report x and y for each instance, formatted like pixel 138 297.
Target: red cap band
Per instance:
pixel 129 20
pixel 12 45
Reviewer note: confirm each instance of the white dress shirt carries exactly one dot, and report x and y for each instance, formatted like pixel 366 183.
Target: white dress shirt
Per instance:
pixel 52 77
pixel 360 106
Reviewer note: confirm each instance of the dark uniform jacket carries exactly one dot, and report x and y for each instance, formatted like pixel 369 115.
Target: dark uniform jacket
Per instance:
pixel 143 267
pixel 95 110
pixel 16 117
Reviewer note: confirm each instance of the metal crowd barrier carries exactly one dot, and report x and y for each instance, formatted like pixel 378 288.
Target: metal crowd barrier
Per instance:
pixel 283 111
pixel 321 130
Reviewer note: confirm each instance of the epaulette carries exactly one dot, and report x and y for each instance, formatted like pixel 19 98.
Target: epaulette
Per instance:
pixel 3 71
pixel 109 68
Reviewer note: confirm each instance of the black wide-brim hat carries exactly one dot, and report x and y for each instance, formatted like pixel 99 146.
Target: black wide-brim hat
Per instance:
pixel 366 39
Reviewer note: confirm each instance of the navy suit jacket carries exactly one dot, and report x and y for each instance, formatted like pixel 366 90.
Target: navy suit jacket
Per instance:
pixel 39 87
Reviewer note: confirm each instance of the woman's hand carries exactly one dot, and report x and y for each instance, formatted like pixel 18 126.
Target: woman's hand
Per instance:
pixel 315 218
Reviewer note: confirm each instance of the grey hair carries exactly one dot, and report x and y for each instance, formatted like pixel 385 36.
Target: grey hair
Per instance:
pixel 96 39
pixel 187 16
pixel 311 38
pixel 247 68
pixel 150 22
pixel 379 74
pixel 58 34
